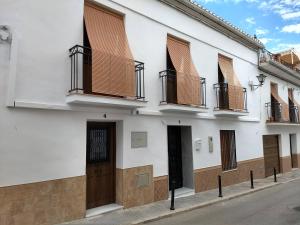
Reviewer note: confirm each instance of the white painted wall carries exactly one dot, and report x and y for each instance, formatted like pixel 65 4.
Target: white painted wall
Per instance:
pixel 38 145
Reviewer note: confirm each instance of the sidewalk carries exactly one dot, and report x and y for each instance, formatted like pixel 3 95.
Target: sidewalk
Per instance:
pixel 158 210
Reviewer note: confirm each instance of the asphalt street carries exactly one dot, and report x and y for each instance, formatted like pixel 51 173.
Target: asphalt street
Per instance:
pixel 279 205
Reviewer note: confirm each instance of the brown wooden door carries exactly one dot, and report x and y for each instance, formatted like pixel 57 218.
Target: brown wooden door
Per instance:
pixel 271 154
pixel 100 167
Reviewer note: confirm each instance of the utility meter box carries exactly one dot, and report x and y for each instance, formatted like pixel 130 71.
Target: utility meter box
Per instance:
pixel 198 143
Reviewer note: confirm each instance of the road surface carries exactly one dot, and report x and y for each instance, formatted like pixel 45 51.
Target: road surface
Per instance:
pixel 279 205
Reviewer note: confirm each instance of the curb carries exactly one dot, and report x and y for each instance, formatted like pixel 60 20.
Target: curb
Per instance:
pixel 209 203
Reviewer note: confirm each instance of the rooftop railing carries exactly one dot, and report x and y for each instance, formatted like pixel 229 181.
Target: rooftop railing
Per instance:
pixel 266 56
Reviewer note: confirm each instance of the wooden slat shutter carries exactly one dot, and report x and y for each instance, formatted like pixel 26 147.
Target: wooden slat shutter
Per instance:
pixel 284 105
pixel 113 70
pixel 235 90
pixel 188 80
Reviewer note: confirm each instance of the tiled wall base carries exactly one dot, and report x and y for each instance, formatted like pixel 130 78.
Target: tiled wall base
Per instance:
pixel 285 164
pixel 161 188
pixel 296 160
pixel 207 178
pixel 131 186
pixel 43 203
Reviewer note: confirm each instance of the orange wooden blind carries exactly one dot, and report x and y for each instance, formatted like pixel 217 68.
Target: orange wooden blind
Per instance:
pixel 113 70
pixel 188 80
pixel 235 90
pixel 284 105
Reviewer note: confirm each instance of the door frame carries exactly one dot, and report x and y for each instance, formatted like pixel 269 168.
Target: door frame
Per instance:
pixel 89 124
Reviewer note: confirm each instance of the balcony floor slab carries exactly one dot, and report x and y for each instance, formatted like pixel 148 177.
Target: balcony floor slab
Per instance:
pixel 107 101
pixel 282 124
pixel 229 113
pixel 182 108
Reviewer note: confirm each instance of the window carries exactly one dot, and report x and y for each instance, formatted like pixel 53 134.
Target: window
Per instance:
pixel 228 149
pixel 98 145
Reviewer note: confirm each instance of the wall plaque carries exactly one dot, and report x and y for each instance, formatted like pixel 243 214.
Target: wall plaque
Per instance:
pixel 138 139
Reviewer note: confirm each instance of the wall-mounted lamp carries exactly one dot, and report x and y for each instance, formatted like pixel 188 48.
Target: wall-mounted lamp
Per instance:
pixel 5 34
pixel 261 79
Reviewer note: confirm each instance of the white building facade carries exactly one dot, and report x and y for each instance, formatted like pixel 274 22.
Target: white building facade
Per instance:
pixel 75 138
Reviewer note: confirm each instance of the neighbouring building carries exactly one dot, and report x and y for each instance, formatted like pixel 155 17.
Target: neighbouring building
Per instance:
pixel 110 103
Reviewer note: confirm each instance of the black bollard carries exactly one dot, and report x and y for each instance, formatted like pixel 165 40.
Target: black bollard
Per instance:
pixel 172 195
pixel 275 176
pixel 251 179
pixel 220 186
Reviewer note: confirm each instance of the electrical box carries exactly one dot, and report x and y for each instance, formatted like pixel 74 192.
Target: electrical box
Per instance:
pixel 198 143
pixel 210 144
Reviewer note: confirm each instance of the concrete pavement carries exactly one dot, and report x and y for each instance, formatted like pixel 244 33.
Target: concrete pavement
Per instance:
pixel 160 210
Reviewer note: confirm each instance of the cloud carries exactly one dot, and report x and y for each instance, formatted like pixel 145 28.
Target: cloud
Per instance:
pixel 294 28
pixel 226 1
pixel 265 40
pixel 260 31
pixel 286 9
pixel 250 20
pixel 284 46
pixel 291 15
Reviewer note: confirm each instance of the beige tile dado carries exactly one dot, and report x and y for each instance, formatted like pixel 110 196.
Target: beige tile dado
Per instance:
pixel 43 203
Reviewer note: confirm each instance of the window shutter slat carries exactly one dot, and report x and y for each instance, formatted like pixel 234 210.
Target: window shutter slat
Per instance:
pixel 113 70
pixel 188 80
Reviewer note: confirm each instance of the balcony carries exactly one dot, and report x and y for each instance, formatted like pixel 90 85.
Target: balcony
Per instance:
pixel 169 102
pixel 233 105
pixel 271 63
pixel 275 114
pixel 81 83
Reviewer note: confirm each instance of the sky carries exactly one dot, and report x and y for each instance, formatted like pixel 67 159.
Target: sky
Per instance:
pixel 275 22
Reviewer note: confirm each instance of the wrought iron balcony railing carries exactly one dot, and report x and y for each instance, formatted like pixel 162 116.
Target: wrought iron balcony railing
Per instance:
pixel 223 101
pixel 294 114
pixel 169 88
pixel 274 111
pixel 81 71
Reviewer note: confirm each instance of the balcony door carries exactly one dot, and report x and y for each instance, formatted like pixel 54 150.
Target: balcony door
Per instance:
pixel 100 164
pixel 223 91
pixel 171 81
